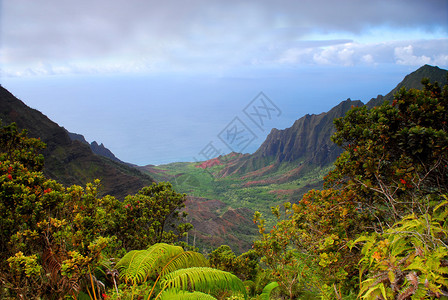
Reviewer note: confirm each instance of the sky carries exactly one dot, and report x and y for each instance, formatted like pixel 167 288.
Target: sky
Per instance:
pixel 166 81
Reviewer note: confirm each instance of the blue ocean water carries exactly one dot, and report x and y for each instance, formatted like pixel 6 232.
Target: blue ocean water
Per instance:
pixel 149 119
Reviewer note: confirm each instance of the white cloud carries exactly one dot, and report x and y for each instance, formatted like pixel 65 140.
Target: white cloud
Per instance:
pixel 441 60
pixel 149 35
pixel 405 56
pixel 345 56
pixel 368 59
pixel 335 55
pixel 324 57
pixel 290 56
pixel 415 53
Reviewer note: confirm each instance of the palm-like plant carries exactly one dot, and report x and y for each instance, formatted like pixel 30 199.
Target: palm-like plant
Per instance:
pixel 176 271
pixel 203 279
pixel 173 294
pixel 267 290
pixel 138 266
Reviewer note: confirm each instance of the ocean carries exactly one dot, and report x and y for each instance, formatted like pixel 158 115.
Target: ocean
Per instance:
pixel 158 119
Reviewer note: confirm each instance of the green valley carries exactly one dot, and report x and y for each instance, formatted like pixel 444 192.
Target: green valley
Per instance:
pixel 286 166
pixel 347 204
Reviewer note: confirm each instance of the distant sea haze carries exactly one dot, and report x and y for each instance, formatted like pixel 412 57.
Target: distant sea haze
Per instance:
pixel 156 120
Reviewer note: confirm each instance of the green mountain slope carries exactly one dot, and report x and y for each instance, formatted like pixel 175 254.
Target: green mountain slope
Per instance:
pixel 288 164
pixel 70 162
pixel 413 80
pixel 223 192
pixel 97 149
pixel 307 141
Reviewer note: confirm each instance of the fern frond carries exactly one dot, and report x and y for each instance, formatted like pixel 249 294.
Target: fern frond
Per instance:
pixel 51 264
pixel 267 290
pixel 138 265
pixel 174 294
pixel 203 279
pixel 187 259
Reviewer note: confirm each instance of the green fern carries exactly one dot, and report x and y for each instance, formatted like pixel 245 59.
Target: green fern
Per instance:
pixel 207 280
pixel 173 294
pixel 408 259
pixel 267 290
pixel 138 265
pixel 176 270
pixel 184 260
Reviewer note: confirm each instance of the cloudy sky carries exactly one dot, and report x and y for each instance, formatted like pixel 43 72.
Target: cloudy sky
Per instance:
pixel 156 81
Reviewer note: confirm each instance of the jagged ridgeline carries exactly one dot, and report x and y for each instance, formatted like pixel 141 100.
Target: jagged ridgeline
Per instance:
pixel 289 163
pixel 71 161
pixel 224 192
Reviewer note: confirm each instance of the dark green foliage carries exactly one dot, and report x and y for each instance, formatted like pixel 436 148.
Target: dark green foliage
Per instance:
pixel 413 81
pixel 244 266
pixel 152 216
pixel 395 153
pixel 71 162
pixel 16 147
pixel 49 240
pixel 222 258
pixel 53 237
pixel 388 190
pixel 23 198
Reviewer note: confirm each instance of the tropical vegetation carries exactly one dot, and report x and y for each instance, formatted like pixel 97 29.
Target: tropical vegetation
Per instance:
pixel 377 230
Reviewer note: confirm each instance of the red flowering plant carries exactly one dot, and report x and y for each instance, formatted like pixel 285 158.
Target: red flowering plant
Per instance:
pixel 48 245
pixel 400 175
pixel 392 174
pixel 278 249
pixel 401 152
pixel 307 250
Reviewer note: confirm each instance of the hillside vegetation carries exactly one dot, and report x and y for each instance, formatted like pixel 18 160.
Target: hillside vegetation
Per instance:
pixel 376 229
pixel 71 161
pixel 288 164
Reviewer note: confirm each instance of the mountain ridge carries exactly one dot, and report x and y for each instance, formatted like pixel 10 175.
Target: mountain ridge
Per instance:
pixel 97 149
pixel 413 80
pixel 307 141
pixel 288 163
pixel 70 161
pixel 223 191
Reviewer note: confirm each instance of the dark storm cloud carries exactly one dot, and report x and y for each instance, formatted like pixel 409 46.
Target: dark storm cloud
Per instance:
pixel 152 33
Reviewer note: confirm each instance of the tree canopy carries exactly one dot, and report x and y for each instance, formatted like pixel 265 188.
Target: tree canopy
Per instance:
pixel 377 230
pixel 382 213
pixel 53 237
